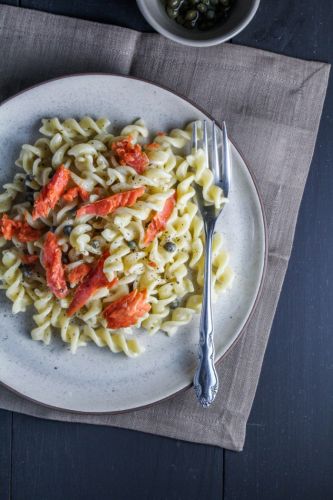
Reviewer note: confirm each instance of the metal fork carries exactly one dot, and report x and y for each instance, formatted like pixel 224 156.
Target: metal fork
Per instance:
pixel 205 379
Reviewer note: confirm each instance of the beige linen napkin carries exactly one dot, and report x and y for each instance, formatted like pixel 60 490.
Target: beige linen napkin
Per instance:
pixel 272 105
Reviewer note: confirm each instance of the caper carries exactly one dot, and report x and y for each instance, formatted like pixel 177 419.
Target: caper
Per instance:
pixel 174 304
pixel 67 229
pixel 210 14
pixel 202 7
pixel 191 15
pixel 173 3
pixel 131 245
pixel 172 13
pixel 26 270
pixel 95 244
pixel 201 14
pixel 170 246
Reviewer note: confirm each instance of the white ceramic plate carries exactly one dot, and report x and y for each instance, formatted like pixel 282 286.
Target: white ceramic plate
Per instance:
pixel 95 380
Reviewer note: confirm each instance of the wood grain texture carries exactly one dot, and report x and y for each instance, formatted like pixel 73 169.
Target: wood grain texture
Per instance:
pixel 288 452
pixel 53 461
pixel 123 13
pixel 16 3
pixel 300 28
pixel 5 453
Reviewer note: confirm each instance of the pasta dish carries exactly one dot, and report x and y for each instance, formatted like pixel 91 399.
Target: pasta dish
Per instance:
pixel 101 233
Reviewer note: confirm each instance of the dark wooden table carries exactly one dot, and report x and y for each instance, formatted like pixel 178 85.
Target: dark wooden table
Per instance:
pixel 288 453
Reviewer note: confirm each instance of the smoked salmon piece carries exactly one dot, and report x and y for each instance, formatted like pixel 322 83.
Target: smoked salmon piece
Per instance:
pixel 76 275
pixel 130 154
pixel 159 221
pixel 74 192
pixel 20 229
pixel 94 280
pixel 111 203
pixel 127 310
pixel 51 193
pixel 55 273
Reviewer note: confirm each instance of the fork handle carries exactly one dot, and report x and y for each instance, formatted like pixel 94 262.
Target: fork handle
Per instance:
pixel 205 379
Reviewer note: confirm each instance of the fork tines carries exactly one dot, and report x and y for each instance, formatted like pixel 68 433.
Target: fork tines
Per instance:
pixel 219 166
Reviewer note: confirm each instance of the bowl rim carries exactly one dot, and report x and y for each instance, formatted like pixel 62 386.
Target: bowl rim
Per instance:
pixel 142 5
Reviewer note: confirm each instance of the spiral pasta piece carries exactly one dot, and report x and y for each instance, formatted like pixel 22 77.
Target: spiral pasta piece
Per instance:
pixel 72 129
pixel 12 279
pixel 177 138
pixel 136 130
pixel 180 317
pixel 44 306
pixel 80 237
pixel 12 189
pixel 205 178
pixel 116 342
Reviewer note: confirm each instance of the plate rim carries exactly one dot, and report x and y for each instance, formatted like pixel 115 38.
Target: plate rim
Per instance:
pixel 263 274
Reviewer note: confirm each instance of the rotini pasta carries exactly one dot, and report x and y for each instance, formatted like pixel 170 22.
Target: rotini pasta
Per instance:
pixel 101 233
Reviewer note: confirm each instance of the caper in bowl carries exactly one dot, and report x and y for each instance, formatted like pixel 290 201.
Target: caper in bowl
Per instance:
pixel 200 14
pixel 200 23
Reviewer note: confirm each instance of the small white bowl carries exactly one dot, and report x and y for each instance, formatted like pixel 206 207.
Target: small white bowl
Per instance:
pixel 241 14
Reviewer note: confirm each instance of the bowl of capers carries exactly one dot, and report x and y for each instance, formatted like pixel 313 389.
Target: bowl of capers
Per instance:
pixel 200 23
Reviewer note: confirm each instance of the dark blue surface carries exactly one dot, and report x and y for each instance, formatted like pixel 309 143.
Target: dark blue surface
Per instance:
pixel 53 460
pixel 288 452
pixel 289 446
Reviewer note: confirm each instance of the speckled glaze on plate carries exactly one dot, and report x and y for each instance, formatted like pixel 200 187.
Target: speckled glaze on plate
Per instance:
pixel 95 380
